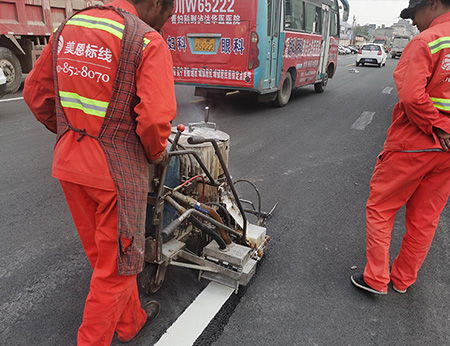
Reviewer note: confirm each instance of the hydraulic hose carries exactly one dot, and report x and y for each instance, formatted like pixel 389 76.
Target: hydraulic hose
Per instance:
pixel 186 214
pixel 205 229
pixel 194 203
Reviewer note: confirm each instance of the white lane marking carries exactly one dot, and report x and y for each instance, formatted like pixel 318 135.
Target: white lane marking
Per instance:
pixel 364 120
pixel 14 99
pixel 188 327
pixel 387 90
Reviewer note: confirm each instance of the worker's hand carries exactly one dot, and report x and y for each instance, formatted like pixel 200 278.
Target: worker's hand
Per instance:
pixel 161 159
pixel 444 138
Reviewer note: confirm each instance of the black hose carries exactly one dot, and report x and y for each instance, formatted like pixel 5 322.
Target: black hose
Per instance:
pixel 196 222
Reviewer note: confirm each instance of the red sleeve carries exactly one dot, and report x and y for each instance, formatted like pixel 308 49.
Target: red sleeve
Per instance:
pixel 414 74
pixel 39 89
pixel 155 88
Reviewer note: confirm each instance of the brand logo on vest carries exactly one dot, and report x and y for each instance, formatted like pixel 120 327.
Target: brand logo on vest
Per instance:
pixel 446 63
pixel 60 44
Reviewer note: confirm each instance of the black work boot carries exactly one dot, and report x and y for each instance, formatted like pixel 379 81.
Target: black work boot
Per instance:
pixel 152 309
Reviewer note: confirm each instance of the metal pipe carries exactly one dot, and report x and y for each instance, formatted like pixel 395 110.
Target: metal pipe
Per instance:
pixel 186 214
pixel 194 140
pixel 212 181
pixel 194 203
pixel 203 216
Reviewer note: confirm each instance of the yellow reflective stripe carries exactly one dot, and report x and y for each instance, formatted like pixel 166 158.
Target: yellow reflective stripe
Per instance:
pixel 86 105
pixel 111 26
pixel 443 104
pixel 440 43
pixel 146 42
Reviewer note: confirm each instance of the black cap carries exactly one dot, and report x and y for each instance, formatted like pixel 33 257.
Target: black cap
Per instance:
pixel 407 12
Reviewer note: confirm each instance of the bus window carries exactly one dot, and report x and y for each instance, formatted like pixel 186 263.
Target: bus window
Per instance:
pixel 287 16
pixel 313 18
pixel 296 15
pixel 334 28
pixel 335 5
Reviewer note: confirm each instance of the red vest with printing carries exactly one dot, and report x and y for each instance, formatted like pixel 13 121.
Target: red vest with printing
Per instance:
pixel 124 153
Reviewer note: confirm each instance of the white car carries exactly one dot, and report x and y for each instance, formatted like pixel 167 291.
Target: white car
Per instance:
pixel 2 83
pixel 372 53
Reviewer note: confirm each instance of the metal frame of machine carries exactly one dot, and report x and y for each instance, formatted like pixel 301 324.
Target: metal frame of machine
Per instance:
pixel 230 246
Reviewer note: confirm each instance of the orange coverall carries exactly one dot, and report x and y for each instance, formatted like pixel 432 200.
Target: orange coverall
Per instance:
pixel 413 170
pixel 87 61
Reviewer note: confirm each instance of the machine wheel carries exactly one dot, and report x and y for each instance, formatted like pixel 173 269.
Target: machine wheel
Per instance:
pixel 284 94
pixel 12 70
pixel 147 279
pixel 320 87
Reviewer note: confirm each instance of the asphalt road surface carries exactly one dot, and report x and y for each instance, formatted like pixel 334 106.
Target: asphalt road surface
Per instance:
pixel 315 157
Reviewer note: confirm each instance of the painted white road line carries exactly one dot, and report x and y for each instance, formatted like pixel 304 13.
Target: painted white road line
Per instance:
pixel 364 120
pixel 387 90
pixel 188 327
pixel 14 99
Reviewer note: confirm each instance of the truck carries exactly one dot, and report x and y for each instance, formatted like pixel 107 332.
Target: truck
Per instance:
pixel 384 41
pixel 398 44
pixel 25 28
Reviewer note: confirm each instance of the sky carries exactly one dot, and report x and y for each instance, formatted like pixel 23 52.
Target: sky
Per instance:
pixel 376 11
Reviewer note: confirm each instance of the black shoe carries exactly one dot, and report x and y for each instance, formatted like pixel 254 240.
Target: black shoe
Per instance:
pixel 359 282
pixel 152 309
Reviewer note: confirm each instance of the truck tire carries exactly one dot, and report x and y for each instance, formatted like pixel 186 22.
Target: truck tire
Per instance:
pixel 12 69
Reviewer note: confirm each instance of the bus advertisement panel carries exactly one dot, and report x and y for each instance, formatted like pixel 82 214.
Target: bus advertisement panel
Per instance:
pixel 210 39
pixel 265 46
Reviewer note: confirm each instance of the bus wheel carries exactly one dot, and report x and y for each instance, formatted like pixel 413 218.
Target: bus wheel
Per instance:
pixel 12 70
pixel 320 87
pixel 284 94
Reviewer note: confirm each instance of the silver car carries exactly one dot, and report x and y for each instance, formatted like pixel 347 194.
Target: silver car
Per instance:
pixel 372 53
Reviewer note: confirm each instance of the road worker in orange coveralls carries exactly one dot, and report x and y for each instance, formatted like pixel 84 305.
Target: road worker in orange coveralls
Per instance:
pixel 414 168
pixel 104 84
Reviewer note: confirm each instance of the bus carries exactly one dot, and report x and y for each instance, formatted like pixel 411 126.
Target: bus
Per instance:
pixel 263 46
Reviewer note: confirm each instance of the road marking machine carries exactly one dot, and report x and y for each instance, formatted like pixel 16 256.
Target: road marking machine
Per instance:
pixel 195 218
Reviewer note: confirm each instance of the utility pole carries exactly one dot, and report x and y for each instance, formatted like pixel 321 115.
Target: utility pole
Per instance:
pixel 353 31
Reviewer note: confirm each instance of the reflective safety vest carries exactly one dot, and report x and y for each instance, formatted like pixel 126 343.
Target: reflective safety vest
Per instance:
pixel 88 52
pixel 101 72
pixel 422 77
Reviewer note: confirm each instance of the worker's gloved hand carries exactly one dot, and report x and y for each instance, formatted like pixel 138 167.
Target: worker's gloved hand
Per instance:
pixel 444 138
pixel 161 159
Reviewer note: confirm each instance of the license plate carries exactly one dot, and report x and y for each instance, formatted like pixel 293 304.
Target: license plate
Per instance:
pixel 202 44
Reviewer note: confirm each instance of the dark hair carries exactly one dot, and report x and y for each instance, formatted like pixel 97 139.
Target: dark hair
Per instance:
pixel 167 3
pixel 446 2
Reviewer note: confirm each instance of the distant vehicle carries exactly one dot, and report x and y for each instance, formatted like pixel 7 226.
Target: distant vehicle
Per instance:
pixel 398 44
pixel 372 53
pixel 262 46
pixel 344 50
pixel 2 83
pixel 353 50
pixel 384 41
